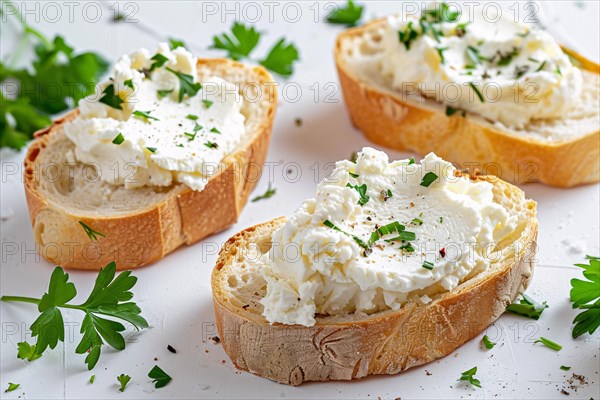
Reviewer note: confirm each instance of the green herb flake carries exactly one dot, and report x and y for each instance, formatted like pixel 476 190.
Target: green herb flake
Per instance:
pixel 123 380
pixel 565 368
pixel 175 43
pixel 12 387
pixel 211 145
pixel 541 67
pixel 549 343
pixel 441 220
pixel 240 43
pixel 477 92
pixel 428 179
pixel 411 161
pixel 128 83
pixel 163 93
pixel 469 376
pixel 427 265
pixel 585 296
pixel 487 342
pixel 527 307
pixel 348 15
pixel 158 60
pixel 192 117
pixel 110 98
pixel 118 139
pixel 186 84
pixel 92 234
pixel 151 149
pixel 215 130
pixel 440 51
pixel 362 191
pixel 144 116
pixel 159 377
pixel 281 58
pixel 268 194
pixel 92 379
pixel 353 175
pixel 190 136
pixel 417 221
pixel 358 241
pixel 207 103
pixel 26 351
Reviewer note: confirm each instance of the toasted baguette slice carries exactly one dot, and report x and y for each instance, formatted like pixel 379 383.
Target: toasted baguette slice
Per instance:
pixel 143 225
pixel 353 346
pixel 394 120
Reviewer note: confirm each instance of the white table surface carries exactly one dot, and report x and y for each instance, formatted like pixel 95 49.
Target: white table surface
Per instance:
pixel 175 295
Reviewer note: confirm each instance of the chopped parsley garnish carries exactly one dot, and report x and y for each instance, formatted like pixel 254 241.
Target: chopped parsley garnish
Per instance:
pixel 159 377
pixel 353 175
pixel 565 368
pixel 12 386
pixel 281 58
pixel 92 379
pixel 417 221
pixel 443 13
pixel 151 149
pixel 428 179
pixel 477 92
pixel 528 307
pixel 408 35
pixel 488 343
pixel 123 380
pixel 403 236
pixel 521 70
pixel 215 130
pixel 533 59
pixel 362 191
pixel 129 83
pixel 211 145
pixel 427 265
pixel 469 376
pixel 144 116
pixel 192 117
pixel 110 98
pixel 164 93
pixel 348 15
pixel 450 111
pixel 175 43
pixel 191 136
pixel 92 234
pixel 474 56
pixel 207 103
pixel 440 51
pixel 411 161
pixel 541 67
pixel 506 58
pixel 441 220
pixel 118 139
pixel 358 240
pixel 585 296
pixel 558 70
pixel 461 29
pixel 26 351
pixel 110 297
pixel 158 60
pixel 549 343
pixel 186 84
pixel 407 247
pixel 386 194
pixel 269 193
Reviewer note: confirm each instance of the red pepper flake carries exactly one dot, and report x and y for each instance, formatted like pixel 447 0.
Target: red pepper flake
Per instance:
pixel 443 252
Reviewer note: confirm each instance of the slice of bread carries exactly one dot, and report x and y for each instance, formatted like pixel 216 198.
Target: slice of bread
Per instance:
pixel 352 346
pixel 143 225
pixel 562 152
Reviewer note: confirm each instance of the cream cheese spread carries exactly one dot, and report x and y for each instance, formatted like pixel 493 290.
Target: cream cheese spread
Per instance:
pixel 152 123
pixel 377 234
pixel 503 70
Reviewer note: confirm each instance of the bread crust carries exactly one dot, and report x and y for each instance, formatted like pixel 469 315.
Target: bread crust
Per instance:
pixel 183 216
pixel 383 343
pixel 387 120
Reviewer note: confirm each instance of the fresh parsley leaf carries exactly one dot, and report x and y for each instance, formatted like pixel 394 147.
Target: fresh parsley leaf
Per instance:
pixel 57 78
pixel 281 58
pixel 186 84
pixel 549 343
pixel 175 43
pixel 348 15
pixel 269 193
pixel 110 297
pixel 27 351
pixel 129 83
pixel 159 377
pixel 144 116
pixel 110 98
pixel 428 179
pixel 215 130
pixel 92 234
pixel 207 103
pixel 12 387
pixel 192 117
pixel 118 139
pixel 487 342
pixel 123 380
pixel 362 192
pixel 585 295
pixel 469 376
pixel 240 43
pixel 164 93
pixel 528 307
pixel 158 60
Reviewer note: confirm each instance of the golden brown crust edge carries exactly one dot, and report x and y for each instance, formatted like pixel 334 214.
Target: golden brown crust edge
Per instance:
pixel 183 217
pixel 387 344
pixel 388 121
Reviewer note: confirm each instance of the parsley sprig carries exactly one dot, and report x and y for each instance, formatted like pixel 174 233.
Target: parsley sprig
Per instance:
pixel 110 297
pixel 159 377
pixel 57 78
pixel 585 295
pixel 348 15
pixel 242 41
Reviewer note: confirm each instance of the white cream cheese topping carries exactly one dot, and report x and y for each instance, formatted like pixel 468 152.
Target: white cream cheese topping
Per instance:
pixel 487 64
pixel 322 262
pixel 157 138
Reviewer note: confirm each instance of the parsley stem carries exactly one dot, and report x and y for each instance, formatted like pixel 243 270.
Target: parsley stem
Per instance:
pixel 588 306
pixel 20 299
